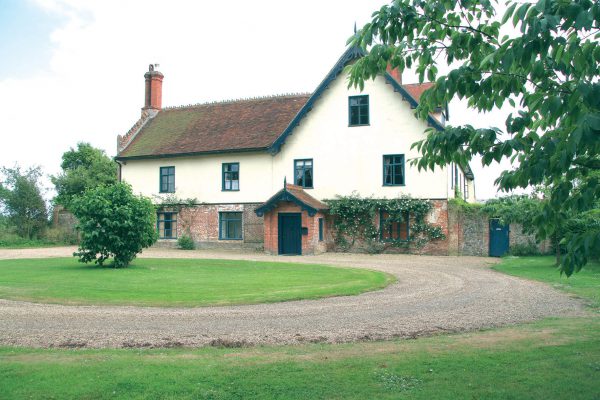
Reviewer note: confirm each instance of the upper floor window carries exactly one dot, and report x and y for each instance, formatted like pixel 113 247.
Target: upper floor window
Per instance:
pixel 358 110
pixel 394 229
pixel 167 225
pixel 167 179
pixel 393 170
pixel 230 225
pixel 231 176
pixel 303 173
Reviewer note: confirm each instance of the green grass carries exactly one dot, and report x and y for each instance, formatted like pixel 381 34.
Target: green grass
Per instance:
pixel 179 282
pixel 556 358
pixel 22 243
pixel 584 284
pixel 553 359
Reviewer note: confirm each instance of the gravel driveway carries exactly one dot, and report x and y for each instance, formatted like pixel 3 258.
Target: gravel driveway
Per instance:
pixel 433 294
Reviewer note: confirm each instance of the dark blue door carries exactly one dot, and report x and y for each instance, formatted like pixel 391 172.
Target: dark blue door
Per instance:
pixel 290 233
pixel 498 238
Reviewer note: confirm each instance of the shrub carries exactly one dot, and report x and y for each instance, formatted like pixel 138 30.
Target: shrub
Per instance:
pixel 524 249
pixel 61 235
pixel 185 242
pixel 113 222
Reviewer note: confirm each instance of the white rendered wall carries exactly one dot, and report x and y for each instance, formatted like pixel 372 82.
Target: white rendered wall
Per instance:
pixel 200 177
pixel 348 159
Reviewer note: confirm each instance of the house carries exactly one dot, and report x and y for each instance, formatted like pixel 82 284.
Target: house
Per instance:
pixel 255 172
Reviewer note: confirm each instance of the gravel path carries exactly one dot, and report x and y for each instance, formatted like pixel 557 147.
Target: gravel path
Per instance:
pixel 433 294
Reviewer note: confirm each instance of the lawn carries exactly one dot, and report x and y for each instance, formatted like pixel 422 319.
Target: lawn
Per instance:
pixel 179 282
pixel 556 358
pixel 584 284
pixel 552 359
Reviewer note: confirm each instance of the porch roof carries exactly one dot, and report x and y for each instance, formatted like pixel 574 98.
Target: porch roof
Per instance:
pixel 294 194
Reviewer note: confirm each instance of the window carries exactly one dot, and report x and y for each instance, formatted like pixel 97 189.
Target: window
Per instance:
pixel 230 226
pixel 167 179
pixel 167 225
pixel 466 191
pixel 393 170
pixel 358 110
pixel 320 229
pixel 303 173
pixel 231 176
pixel 394 230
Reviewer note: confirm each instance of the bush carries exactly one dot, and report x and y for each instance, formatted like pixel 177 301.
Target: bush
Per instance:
pixel 524 249
pixel 113 222
pixel 186 242
pixel 61 235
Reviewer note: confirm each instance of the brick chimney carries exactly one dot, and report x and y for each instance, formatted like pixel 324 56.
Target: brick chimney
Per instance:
pixel 153 98
pixel 395 73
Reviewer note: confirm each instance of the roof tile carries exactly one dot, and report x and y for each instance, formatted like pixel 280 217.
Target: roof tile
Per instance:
pixel 213 127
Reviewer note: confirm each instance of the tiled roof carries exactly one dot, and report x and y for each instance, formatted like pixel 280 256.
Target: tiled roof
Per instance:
pixel 305 198
pixel 239 125
pixel 295 194
pixel 417 89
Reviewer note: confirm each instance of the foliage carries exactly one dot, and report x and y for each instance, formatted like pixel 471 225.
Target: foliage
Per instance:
pixel 22 201
pixel 355 220
pixel 113 223
pixel 185 242
pixel 465 207
pixel 581 226
pixel 524 249
pixel 83 168
pixel 61 235
pixel 522 209
pixel 547 71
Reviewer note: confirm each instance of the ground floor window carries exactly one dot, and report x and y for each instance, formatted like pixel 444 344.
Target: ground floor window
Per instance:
pixel 167 225
pixel 320 229
pixel 391 230
pixel 230 225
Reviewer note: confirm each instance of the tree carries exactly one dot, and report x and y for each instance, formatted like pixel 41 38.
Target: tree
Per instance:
pixel 22 201
pixel 113 223
pixel 83 168
pixel 547 71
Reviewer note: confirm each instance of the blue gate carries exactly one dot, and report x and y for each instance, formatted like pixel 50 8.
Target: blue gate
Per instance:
pixel 499 238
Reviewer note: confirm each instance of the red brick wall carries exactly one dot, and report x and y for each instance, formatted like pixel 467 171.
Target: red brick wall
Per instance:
pixel 310 242
pixel 202 223
pixel 437 216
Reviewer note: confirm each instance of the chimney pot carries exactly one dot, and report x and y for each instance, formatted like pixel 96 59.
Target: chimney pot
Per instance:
pixel 153 95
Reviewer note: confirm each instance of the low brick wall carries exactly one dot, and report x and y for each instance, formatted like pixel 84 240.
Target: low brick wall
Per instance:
pixel 202 223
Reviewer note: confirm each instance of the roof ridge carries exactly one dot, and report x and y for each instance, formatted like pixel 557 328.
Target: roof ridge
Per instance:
pixel 238 100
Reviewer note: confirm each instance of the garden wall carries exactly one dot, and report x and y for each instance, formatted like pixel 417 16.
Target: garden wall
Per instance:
pixel 469 234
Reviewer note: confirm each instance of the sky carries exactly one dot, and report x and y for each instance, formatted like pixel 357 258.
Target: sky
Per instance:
pixel 72 70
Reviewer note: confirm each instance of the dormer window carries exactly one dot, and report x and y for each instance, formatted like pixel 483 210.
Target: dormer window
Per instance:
pixel 358 110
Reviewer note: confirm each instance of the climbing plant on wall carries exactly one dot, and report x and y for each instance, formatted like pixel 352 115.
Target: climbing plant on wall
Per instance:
pixel 355 220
